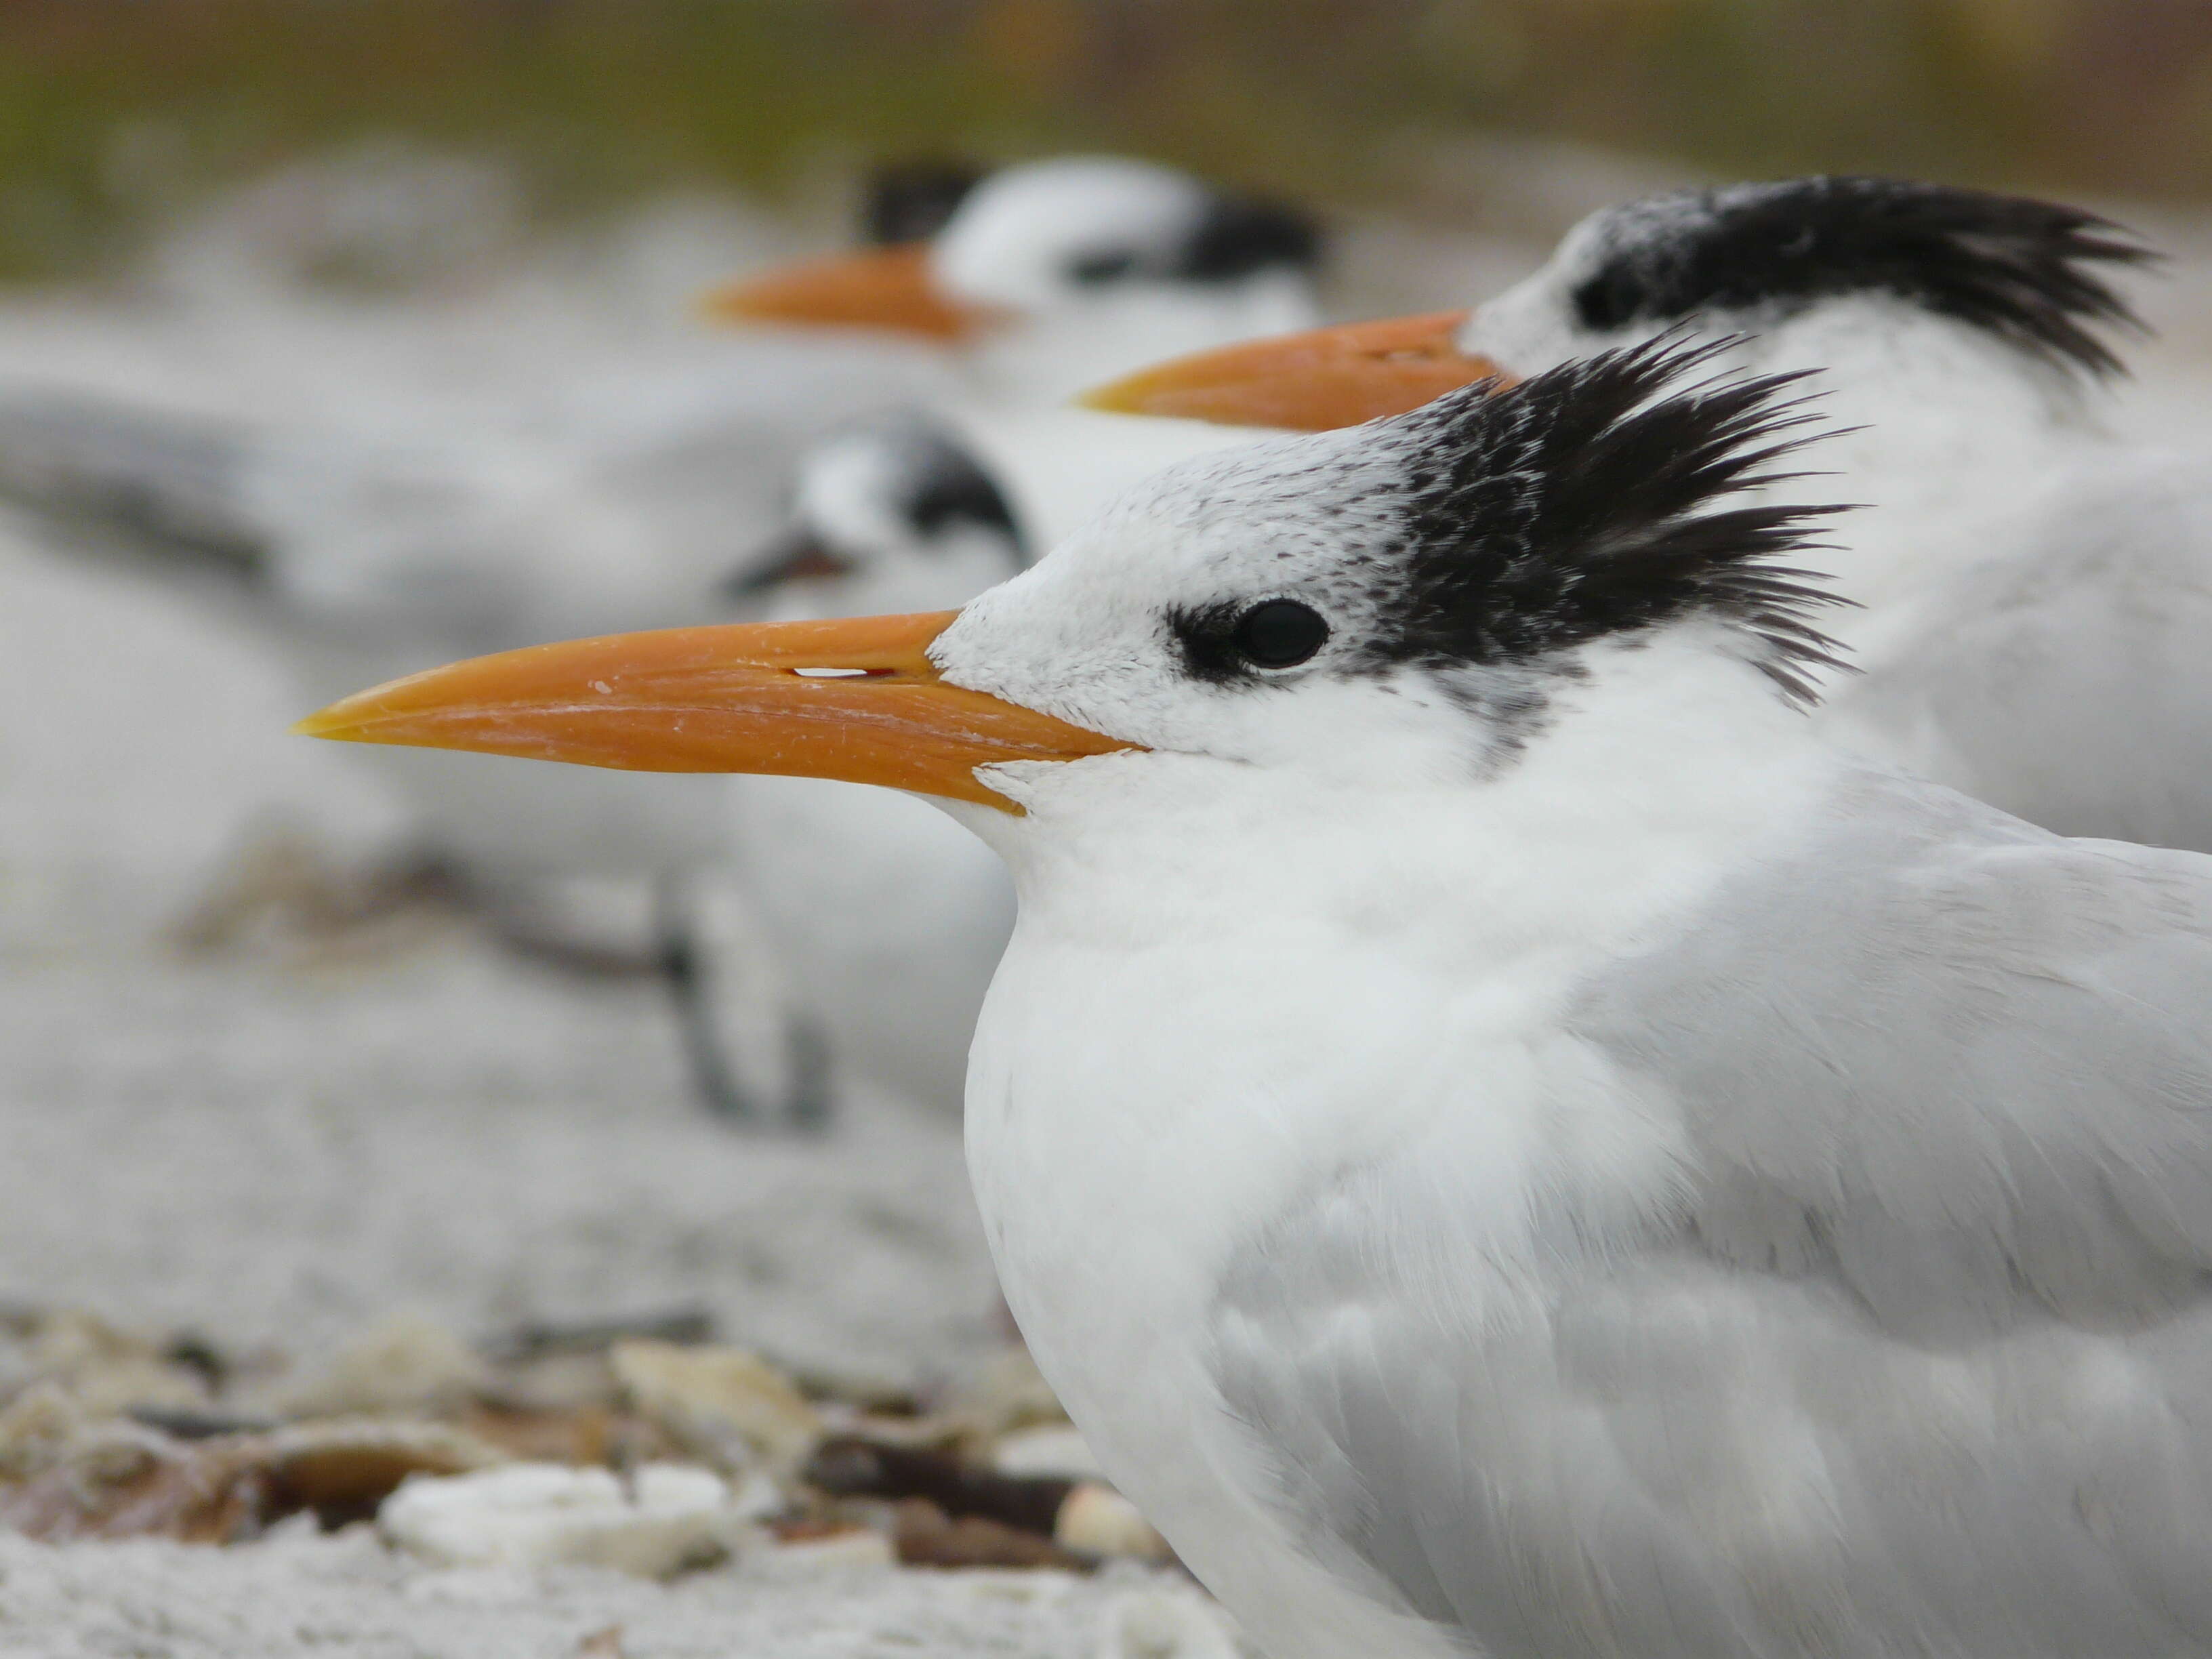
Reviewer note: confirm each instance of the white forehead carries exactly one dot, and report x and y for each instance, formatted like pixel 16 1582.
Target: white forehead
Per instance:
pixel 1010 240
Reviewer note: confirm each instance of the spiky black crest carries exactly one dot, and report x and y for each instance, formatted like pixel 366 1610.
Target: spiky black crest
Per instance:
pixel 1588 501
pixel 910 201
pixel 2024 270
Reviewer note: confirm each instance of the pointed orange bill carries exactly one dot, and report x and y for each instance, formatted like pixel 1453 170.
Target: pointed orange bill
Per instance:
pixel 1316 382
pixel 856 699
pixel 887 287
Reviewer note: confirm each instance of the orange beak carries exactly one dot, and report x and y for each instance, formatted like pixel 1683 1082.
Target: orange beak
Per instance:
pixel 887 287
pixel 856 699
pixel 1317 381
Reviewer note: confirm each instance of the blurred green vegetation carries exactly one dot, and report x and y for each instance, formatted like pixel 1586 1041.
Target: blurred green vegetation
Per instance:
pixel 116 112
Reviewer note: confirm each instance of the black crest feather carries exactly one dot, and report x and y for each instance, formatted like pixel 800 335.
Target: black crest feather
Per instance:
pixel 1588 501
pixel 2023 270
pixel 910 201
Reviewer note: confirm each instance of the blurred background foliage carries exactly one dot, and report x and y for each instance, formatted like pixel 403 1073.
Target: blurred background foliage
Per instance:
pixel 115 114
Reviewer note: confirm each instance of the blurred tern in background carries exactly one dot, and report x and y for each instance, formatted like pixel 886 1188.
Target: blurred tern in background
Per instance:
pixel 2035 593
pixel 369 550
pixel 1045 277
pixel 887 917
pixel 1594 1167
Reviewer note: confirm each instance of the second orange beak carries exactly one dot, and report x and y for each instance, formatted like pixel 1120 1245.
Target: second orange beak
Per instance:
pixel 885 288
pixel 1316 382
pixel 856 699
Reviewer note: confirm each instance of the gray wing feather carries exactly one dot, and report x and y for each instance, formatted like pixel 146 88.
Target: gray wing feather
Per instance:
pixel 1922 1364
pixel 1951 1060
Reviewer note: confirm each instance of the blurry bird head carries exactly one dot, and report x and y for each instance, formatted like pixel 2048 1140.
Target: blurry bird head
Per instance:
pixel 894 513
pixel 1855 276
pixel 1088 260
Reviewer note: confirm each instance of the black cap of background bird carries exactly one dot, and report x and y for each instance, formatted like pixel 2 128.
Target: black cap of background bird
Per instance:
pixel 1235 236
pixel 1252 232
pixel 910 201
pixel 1241 235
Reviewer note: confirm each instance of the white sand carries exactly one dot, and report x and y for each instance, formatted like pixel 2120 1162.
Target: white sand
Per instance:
pixel 347 1596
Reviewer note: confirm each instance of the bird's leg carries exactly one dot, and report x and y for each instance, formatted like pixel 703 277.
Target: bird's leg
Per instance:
pixel 805 1105
pixel 806 1055
pixel 678 948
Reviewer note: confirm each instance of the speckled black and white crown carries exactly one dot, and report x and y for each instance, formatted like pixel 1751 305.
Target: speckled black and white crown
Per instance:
pixel 2034 273
pixel 1502 528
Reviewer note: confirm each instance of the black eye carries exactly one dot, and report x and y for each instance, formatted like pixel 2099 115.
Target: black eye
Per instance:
pixel 1279 634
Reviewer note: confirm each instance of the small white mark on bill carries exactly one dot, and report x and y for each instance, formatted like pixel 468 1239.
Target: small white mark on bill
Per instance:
pixel 830 673
pixel 603 687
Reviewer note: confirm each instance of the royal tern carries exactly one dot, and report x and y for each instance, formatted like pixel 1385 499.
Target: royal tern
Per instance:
pixel 1047 276
pixel 1503 1139
pixel 2033 590
pixel 887 917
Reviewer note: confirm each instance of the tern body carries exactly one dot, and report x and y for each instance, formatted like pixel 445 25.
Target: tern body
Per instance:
pixel 1599 1171
pixel 1506 1141
pixel 1465 1294
pixel 1178 1060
